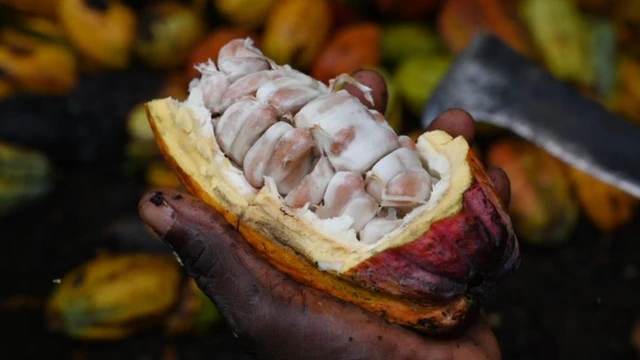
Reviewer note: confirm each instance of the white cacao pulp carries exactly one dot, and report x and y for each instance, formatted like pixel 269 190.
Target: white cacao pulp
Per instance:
pixel 321 147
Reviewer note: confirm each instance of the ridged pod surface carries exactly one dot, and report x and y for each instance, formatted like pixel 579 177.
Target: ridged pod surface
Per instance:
pixel 112 297
pixel 328 193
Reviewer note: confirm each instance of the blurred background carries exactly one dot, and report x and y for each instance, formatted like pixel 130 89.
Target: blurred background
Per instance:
pixel 83 278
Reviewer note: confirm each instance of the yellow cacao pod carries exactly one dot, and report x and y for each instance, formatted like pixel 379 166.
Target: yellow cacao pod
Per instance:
pixel 37 65
pixel 558 29
pixel 543 207
pixel 104 32
pixel 170 30
pixel 606 206
pixel 417 77
pixel 25 175
pixel 626 96
pixel 246 14
pixel 296 31
pixel 114 296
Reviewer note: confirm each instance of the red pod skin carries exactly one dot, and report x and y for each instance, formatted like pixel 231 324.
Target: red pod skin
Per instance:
pixel 450 255
pixel 467 252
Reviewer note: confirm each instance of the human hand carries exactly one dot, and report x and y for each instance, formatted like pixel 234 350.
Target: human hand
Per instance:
pixel 278 318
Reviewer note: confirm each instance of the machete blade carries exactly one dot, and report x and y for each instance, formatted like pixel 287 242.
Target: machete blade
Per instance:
pixel 496 85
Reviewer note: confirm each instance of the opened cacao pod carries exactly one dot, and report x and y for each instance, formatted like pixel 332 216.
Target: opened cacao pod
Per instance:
pixel 325 190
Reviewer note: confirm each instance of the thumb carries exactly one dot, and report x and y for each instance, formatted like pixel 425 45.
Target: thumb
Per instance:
pixel 198 235
pixel 207 246
pixel 273 315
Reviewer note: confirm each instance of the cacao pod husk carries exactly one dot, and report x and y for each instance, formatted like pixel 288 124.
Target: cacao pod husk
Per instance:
pixel 428 273
pixel 209 47
pixel 34 64
pixel 461 20
pixel 141 146
pixel 626 95
pixel 103 32
pixel 543 207
pixel 603 50
pixel 168 31
pixel 114 296
pixel 296 31
pixel 559 31
pixel 39 27
pixel 246 14
pixel 351 48
pixel 25 176
pixel 606 206
pixel 404 40
pixel 417 77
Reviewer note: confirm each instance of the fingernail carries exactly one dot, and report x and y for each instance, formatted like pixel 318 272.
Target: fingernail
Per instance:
pixel 158 214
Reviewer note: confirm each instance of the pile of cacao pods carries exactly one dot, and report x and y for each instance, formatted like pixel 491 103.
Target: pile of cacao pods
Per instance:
pixel 594 45
pixel 46 46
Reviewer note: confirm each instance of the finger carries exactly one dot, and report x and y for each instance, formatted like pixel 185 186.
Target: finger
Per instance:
pixel 177 218
pixel 374 80
pixel 502 184
pixel 155 211
pixel 271 314
pixel 456 122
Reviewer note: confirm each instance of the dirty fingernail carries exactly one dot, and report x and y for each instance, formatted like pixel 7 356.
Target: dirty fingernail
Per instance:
pixel 155 211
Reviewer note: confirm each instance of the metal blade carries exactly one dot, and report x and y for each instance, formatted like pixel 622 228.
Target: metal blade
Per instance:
pixel 496 85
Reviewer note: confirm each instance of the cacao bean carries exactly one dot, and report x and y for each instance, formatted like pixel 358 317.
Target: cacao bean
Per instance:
pixel 213 88
pixel 286 95
pixel 260 153
pixel 345 195
pixel 398 179
pixel 251 131
pixel 313 186
pixel 239 57
pixel 232 120
pixel 377 228
pixel 321 146
pixel 302 202
pixel 335 118
pixel 291 160
pixel 246 85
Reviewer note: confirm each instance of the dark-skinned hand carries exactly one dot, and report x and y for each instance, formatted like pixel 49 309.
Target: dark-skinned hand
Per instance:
pixel 275 317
